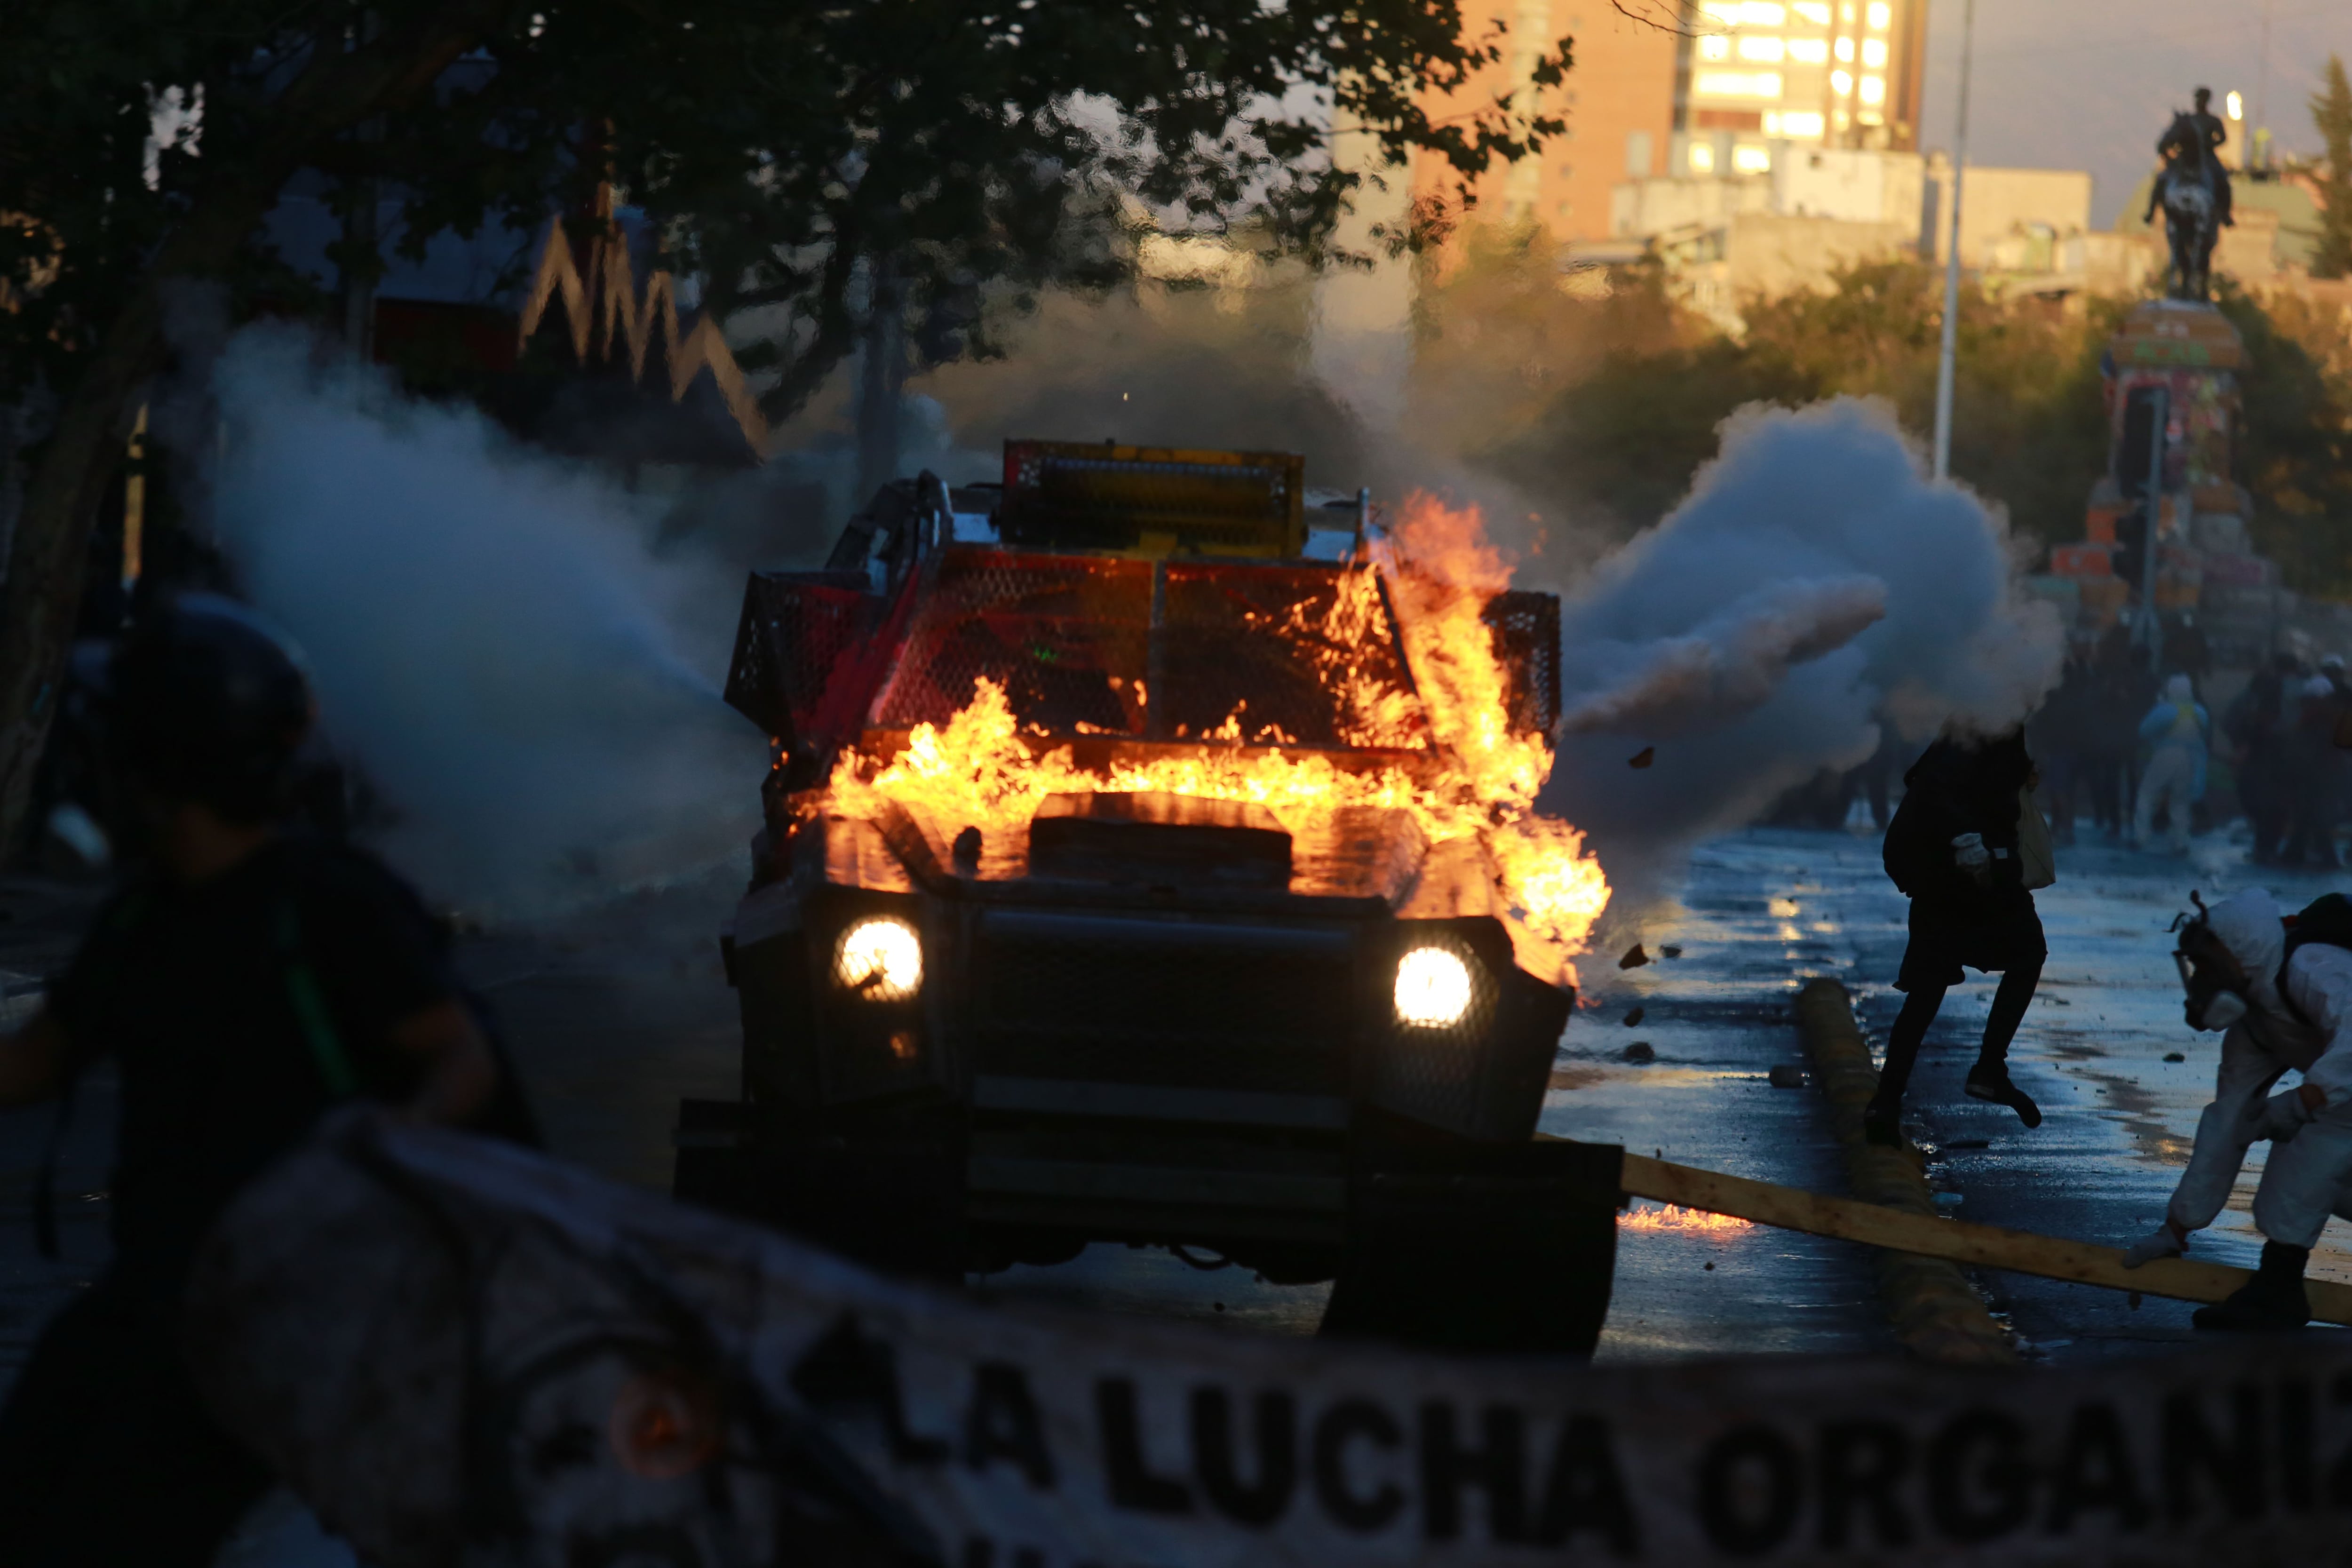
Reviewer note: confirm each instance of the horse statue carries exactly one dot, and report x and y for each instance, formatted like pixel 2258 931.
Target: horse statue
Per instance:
pixel 2193 189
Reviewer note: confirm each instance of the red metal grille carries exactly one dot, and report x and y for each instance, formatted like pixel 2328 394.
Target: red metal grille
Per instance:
pixel 1078 641
pixel 1065 636
pixel 1526 638
pixel 794 628
pixel 1252 638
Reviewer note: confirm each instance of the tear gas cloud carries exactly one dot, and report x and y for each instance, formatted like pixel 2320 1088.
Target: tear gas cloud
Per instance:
pixel 531 692
pixel 1813 585
pixel 534 692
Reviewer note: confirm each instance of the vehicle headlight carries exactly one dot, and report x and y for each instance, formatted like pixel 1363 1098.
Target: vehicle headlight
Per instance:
pixel 1433 988
pixel 879 959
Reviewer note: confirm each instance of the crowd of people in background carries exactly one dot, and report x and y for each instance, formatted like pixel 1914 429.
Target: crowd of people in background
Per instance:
pixel 2149 761
pixel 2149 753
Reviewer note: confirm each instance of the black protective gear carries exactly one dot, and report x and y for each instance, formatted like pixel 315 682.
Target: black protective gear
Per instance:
pixel 203 701
pixel 2273 1300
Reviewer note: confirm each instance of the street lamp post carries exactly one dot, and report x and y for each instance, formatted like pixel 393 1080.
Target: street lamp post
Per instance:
pixel 1952 258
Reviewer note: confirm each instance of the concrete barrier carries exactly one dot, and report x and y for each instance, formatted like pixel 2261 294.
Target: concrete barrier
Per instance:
pixel 1935 1311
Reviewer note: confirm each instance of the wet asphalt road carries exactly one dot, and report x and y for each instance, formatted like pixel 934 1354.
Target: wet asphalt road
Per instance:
pixel 1758 913
pixel 613 1019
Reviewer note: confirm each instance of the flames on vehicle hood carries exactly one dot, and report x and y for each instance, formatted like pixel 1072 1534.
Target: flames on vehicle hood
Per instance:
pixel 1436 743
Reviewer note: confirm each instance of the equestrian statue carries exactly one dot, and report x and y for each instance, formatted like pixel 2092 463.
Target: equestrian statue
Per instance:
pixel 2193 189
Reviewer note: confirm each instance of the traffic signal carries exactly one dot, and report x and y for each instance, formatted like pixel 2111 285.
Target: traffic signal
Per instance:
pixel 2129 558
pixel 2147 410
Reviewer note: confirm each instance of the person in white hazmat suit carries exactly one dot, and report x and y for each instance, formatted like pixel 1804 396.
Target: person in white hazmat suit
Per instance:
pixel 2280 1003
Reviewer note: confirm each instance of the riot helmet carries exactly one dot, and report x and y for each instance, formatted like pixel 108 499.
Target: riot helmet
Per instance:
pixel 204 701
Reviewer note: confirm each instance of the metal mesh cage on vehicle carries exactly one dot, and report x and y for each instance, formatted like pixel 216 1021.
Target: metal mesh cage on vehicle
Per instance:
pixel 1094 645
pixel 1526 639
pixel 794 628
pixel 1260 643
pixel 1065 636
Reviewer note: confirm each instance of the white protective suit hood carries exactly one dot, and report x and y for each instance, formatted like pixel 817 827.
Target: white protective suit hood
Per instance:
pixel 2248 925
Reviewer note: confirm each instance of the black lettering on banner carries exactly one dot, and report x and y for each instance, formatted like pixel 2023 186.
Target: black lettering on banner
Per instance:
pixel 1337 1428
pixel 1751 1485
pixel 1979 1455
pixel 1262 1502
pixel 1002 1424
pixel 2093 1472
pixel 1861 1464
pixel 1498 1466
pixel 2339 1474
pixel 845 1369
pixel 2298 1456
pixel 1585 1491
pixel 1132 1484
pixel 2191 1445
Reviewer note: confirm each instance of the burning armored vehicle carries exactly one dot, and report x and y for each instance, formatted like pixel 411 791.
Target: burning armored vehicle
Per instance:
pixel 1151 856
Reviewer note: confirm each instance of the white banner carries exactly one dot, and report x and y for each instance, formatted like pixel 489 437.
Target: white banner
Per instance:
pixel 453 1348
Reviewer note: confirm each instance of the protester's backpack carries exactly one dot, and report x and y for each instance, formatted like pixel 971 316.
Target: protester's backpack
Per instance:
pixel 2326 920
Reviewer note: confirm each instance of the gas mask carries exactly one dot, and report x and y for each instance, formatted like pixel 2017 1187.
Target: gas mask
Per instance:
pixel 2210 972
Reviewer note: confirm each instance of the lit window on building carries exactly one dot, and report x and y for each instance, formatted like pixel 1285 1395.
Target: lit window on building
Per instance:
pixel 1770 50
pixel 1845 12
pixel 1873 90
pixel 1868 117
pixel 1842 83
pixel 1726 12
pixel 1714 46
pixel 1750 159
pixel 1763 13
pixel 1736 84
pixel 1804 123
pixel 1809 51
pixel 1813 11
pixel 1702 158
pixel 1881 17
pixel 1873 53
pixel 1845 50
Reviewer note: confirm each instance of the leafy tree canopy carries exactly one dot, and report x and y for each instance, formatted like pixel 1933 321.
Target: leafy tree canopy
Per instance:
pixel 783 146
pixel 1624 404
pixel 2331 113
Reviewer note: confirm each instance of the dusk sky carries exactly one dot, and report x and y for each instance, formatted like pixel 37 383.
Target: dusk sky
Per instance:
pixel 2087 84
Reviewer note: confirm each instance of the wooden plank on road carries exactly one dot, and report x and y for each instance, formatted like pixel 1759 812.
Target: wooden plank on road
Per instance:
pixel 1978 1246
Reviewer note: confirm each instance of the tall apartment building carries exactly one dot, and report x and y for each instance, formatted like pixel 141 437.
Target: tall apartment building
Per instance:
pixel 1684 87
pixel 1619 102
pixel 1830 73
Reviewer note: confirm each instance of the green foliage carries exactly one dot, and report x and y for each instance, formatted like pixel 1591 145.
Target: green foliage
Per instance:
pixel 2294 439
pixel 1626 431
pixel 1501 332
pixel 2331 111
pixel 2029 433
pixel 979 145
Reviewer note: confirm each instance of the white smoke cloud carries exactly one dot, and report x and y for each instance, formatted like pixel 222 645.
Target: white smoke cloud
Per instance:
pixel 1814 583
pixel 494 645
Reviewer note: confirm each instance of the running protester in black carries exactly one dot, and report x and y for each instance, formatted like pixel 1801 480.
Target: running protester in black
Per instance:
pixel 1954 848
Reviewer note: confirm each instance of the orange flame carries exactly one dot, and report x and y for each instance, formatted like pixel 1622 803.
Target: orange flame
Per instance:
pixel 1441 571
pixel 1688 1222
